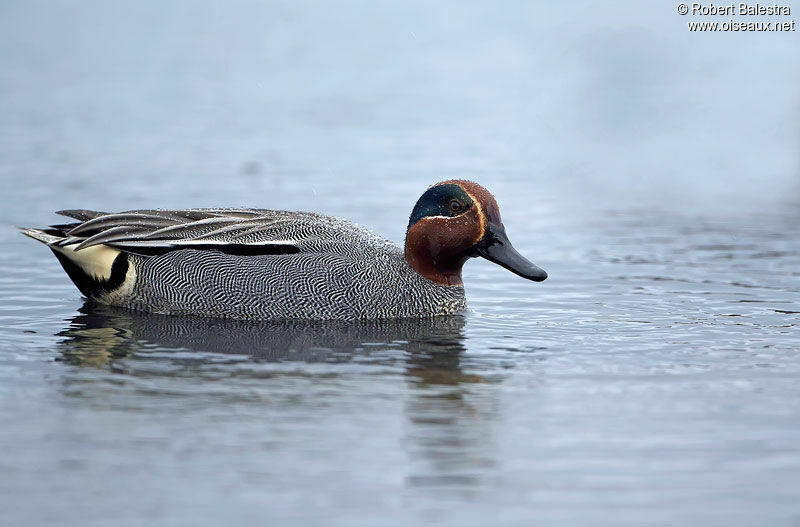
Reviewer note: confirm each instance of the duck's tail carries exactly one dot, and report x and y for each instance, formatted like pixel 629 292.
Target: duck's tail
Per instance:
pixel 96 271
pixel 41 235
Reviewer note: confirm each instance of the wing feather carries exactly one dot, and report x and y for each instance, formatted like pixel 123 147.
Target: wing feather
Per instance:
pixel 81 214
pixel 245 231
pixel 236 229
pixel 114 234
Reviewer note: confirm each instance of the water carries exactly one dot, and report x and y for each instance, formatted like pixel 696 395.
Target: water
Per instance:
pixel 651 380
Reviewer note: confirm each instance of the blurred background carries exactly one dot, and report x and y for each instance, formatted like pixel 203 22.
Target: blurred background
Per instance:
pixel 654 172
pixel 561 107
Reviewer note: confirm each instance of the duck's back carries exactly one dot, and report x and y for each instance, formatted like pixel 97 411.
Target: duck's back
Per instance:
pixel 247 264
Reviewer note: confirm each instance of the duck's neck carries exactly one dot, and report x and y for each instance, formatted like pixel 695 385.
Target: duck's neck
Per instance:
pixel 433 263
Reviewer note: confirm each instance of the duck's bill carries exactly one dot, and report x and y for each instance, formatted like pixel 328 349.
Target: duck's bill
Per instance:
pixel 496 248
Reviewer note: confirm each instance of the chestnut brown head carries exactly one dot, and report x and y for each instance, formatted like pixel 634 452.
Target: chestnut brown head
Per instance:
pixel 454 221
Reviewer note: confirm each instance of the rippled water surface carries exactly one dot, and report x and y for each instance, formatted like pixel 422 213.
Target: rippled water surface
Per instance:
pixel 653 379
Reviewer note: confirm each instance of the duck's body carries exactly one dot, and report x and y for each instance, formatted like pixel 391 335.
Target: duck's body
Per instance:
pixel 264 264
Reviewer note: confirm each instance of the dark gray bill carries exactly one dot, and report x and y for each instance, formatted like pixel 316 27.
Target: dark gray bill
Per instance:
pixel 496 248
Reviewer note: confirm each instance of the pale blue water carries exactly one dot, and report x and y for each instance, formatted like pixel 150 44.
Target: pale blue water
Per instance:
pixel 653 379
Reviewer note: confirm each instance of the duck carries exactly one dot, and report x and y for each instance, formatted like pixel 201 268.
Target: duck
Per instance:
pixel 257 264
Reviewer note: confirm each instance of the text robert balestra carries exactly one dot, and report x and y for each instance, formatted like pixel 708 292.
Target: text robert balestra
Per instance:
pixel 741 8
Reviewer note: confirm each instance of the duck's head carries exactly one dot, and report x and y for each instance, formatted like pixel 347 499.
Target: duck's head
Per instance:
pixel 454 221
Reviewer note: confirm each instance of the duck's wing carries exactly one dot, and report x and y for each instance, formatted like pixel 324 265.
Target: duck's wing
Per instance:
pixel 235 231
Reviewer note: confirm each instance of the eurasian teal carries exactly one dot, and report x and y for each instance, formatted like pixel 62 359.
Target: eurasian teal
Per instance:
pixel 266 264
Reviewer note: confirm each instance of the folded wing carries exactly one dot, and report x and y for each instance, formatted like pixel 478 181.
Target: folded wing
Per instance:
pixel 233 231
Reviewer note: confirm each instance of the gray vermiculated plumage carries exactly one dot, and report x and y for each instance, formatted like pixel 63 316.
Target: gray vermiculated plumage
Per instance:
pixel 286 265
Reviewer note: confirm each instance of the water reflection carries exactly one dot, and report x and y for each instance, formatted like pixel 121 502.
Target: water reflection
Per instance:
pixel 101 334
pixel 451 420
pixel 449 413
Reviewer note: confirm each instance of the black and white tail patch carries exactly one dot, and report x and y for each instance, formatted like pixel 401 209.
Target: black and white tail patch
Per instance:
pixel 102 273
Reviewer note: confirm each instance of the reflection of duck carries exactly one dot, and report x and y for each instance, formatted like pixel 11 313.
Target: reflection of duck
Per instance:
pixel 449 427
pixel 102 333
pixel 450 423
pixel 253 264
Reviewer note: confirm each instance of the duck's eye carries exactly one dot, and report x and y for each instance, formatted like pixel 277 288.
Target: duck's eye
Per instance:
pixel 456 205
